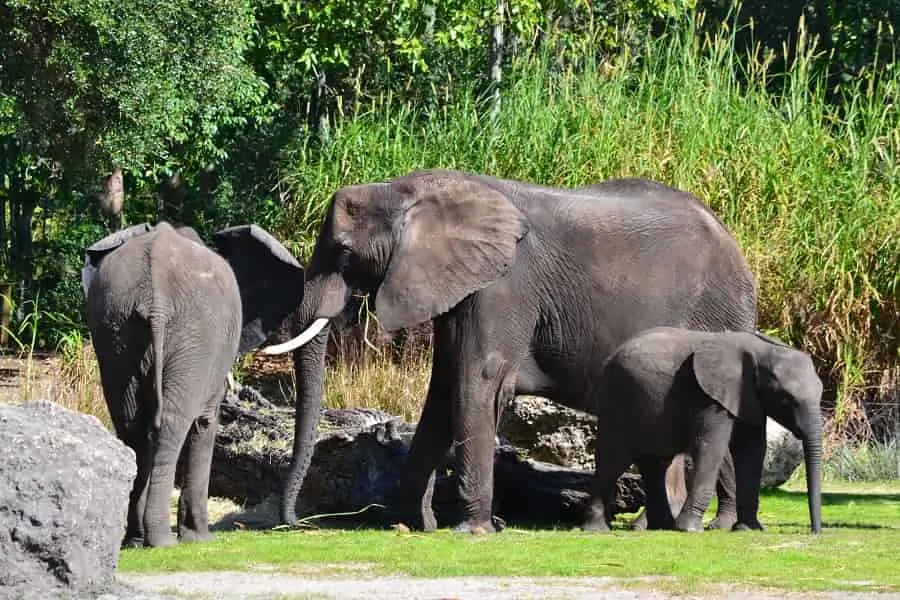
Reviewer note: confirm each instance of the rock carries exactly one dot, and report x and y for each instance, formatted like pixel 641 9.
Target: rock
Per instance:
pixel 64 489
pixel 784 453
pixel 550 432
pixel 357 463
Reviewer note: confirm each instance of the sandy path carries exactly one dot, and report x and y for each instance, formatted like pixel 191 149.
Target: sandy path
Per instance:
pixel 233 586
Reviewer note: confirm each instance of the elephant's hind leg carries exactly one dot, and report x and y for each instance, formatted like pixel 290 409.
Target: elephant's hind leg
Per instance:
pixel 726 492
pixel 654 475
pixel 126 401
pixel 166 447
pixel 612 456
pixel 193 516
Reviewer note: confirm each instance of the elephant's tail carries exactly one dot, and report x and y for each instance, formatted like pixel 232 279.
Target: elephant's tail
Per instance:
pixel 157 335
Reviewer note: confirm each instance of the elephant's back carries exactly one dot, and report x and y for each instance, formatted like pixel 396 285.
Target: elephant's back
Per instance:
pixel 166 273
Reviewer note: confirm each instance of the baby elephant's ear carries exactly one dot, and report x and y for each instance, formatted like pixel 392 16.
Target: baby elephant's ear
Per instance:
pixel 726 372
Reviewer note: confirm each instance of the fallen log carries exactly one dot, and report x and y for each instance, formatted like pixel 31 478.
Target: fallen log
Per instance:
pixel 357 463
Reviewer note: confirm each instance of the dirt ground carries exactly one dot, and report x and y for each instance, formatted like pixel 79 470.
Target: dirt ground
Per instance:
pixel 360 586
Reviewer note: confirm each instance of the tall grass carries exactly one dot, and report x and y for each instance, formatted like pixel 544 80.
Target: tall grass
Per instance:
pixel 79 377
pixel 395 386
pixel 811 190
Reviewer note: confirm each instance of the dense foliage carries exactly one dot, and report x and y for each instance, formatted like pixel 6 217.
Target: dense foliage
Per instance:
pixel 784 120
pixel 90 85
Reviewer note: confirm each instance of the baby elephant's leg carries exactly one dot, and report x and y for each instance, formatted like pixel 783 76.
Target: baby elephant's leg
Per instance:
pixel 653 473
pixel 712 435
pixel 612 456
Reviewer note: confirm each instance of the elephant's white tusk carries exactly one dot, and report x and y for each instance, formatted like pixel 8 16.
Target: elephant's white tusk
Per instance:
pixel 311 332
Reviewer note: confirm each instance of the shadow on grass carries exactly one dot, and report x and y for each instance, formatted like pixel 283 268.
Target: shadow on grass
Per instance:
pixel 838 499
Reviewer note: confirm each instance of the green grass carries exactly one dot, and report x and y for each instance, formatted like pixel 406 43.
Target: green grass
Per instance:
pixel 811 190
pixel 856 551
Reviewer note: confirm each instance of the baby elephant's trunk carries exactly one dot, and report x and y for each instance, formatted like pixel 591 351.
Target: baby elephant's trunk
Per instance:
pixel 812 452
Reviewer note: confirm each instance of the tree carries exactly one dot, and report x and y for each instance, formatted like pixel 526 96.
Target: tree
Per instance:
pixel 91 86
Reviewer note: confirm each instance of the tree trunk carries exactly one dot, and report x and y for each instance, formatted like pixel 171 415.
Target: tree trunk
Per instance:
pixel 497 61
pixel 24 202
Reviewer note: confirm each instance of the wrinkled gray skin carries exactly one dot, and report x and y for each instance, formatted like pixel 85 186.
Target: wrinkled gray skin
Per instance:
pixel 669 390
pixel 167 321
pixel 530 289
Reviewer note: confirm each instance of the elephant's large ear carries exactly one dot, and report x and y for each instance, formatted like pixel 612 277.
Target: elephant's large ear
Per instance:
pixel 270 279
pixel 726 372
pixel 456 237
pixel 94 254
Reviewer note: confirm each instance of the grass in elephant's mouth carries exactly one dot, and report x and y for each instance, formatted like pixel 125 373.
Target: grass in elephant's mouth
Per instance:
pixel 856 550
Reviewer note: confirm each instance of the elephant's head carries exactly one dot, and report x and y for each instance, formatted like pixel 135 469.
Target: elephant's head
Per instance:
pixel 754 376
pixel 270 279
pixel 421 243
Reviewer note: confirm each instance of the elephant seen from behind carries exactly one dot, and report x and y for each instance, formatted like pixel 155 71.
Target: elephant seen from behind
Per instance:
pixel 529 288
pixel 168 316
pixel 670 390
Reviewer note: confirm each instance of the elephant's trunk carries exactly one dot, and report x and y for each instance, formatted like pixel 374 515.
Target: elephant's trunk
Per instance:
pixel 309 376
pixel 812 453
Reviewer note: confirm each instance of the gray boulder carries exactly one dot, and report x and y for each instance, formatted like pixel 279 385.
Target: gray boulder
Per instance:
pixel 784 453
pixel 64 486
pixel 550 432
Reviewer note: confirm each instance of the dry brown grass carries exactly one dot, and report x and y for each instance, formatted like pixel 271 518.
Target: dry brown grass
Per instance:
pixel 380 381
pixel 78 380
pixel 391 379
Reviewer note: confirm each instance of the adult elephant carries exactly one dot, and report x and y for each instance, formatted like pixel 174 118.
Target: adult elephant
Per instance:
pixel 168 316
pixel 530 289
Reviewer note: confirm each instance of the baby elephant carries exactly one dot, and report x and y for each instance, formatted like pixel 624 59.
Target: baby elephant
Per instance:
pixel 667 391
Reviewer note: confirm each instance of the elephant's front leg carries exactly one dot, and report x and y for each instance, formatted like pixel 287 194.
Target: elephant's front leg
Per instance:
pixel 193 519
pixel 484 383
pixel 714 426
pixel 749 451
pixel 429 446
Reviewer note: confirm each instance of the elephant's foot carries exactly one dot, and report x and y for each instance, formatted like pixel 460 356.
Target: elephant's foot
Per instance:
pixel 750 524
pixel 192 535
pixel 479 527
pixel 595 521
pixel 723 521
pixel 160 539
pixel 689 522
pixel 595 525
pixel 133 541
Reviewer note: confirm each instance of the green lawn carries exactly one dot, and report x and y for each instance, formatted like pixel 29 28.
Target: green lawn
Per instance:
pixel 857 549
